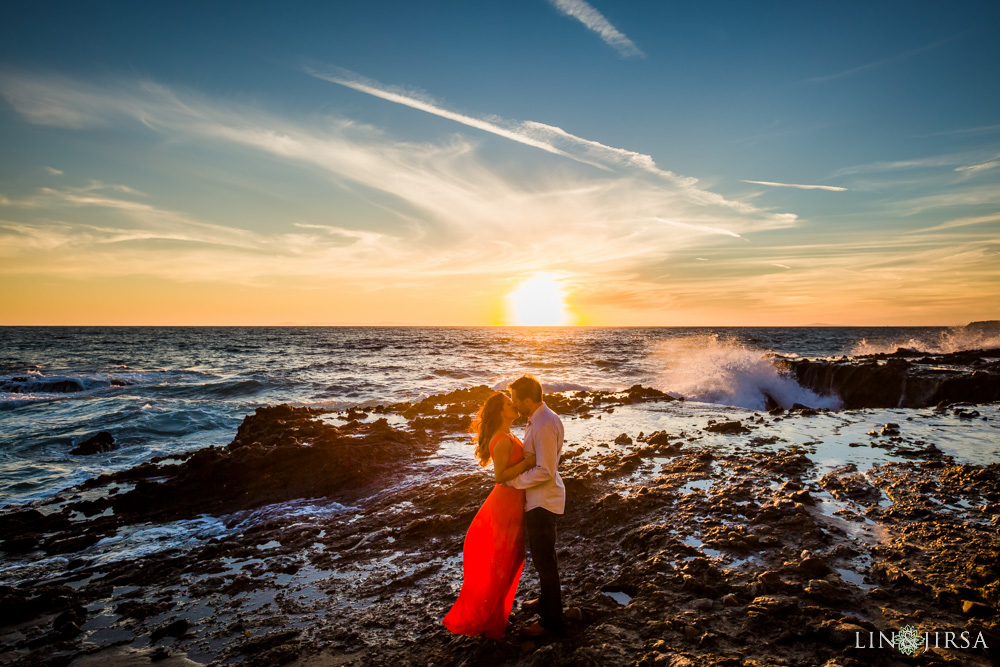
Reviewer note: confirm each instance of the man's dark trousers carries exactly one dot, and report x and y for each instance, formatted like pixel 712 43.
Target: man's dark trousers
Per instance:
pixel 540 524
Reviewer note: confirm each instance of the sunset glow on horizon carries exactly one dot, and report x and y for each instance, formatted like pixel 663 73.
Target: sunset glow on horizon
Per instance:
pixel 539 300
pixel 337 169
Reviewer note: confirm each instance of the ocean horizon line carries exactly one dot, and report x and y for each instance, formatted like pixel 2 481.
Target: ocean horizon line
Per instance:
pixel 384 325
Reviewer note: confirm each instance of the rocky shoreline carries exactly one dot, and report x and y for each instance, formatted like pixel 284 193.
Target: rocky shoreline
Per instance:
pixel 673 551
pixel 905 378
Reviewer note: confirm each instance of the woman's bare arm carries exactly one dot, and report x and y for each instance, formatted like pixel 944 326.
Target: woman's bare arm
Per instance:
pixel 501 457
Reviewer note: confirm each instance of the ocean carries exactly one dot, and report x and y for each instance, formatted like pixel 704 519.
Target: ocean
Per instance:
pixel 162 390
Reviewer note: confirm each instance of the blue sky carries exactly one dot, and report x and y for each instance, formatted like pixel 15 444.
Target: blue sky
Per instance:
pixel 375 162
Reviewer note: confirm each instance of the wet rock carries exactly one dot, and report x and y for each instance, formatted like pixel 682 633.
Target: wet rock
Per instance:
pixel 826 591
pixel 727 427
pixel 671 659
pixel 395 548
pixel 178 628
pixel 623 439
pixel 141 610
pixel 72 544
pixel 96 444
pixel 977 609
pixel 853 486
pixel 767 583
pixel 734 538
pixel 273 648
pixel 658 438
pixel 460 401
pixel 841 633
pixel 279 453
pixel 67 624
pixel 803 497
pixel 546 655
pixel 442 423
pixel 812 567
pixel 429 525
pixel 878 381
pixel 639 394
pixel 772 605
pixel 160 654
pixel 18 605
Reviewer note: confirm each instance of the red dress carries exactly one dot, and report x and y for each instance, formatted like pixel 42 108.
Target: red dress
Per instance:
pixel 492 560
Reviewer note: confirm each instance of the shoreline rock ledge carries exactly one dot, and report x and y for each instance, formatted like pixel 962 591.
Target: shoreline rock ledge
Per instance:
pixel 903 379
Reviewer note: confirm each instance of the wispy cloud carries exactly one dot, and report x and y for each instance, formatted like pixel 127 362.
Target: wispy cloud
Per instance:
pixel 972 168
pixel 948 200
pixel 981 129
pixel 546 137
pixel 948 161
pixel 423 103
pixel 700 228
pixel 595 21
pixel 448 215
pixel 831 188
pixel 154 223
pixel 52 171
pixel 455 212
pixel 899 57
pixel 961 222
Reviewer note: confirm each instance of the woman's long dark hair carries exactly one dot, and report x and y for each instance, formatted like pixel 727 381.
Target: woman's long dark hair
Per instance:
pixel 485 424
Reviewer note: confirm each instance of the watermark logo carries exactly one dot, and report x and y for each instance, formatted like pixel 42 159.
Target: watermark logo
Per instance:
pixel 910 641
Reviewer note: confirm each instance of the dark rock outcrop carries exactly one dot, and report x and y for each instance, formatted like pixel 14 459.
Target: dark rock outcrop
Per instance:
pixel 906 378
pixel 727 427
pixel 98 443
pixel 27 385
pixel 279 453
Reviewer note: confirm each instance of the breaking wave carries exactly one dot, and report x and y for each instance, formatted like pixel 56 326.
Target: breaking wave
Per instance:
pixel 715 370
pixel 958 339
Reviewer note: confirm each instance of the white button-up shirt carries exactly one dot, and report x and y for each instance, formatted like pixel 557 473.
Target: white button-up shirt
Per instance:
pixel 543 487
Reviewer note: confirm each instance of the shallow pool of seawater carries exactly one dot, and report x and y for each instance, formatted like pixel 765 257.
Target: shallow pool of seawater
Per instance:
pixel 133 542
pixel 621 598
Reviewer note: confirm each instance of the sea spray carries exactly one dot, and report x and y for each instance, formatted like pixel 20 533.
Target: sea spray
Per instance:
pixel 956 339
pixel 711 369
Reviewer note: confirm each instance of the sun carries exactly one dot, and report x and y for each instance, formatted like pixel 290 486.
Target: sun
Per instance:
pixel 539 301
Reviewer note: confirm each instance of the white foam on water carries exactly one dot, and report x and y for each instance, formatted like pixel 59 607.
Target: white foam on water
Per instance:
pixel 714 370
pixel 957 339
pixel 34 385
pixel 134 542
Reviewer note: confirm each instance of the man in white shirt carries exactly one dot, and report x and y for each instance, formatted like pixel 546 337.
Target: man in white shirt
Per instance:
pixel 545 500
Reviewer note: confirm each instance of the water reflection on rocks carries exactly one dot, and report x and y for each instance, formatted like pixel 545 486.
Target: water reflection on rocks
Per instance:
pixel 321 537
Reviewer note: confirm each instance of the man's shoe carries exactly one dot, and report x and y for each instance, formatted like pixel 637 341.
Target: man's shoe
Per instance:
pixel 531 605
pixel 536 629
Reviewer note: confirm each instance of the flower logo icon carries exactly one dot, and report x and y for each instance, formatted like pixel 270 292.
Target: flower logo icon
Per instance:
pixel 908 640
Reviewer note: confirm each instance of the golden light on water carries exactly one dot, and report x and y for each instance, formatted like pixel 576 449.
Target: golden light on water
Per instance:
pixel 539 301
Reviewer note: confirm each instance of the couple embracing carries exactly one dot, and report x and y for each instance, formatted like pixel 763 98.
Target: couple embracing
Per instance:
pixel 528 498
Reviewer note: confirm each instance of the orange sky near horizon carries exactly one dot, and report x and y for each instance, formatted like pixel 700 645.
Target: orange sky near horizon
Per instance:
pixel 145 301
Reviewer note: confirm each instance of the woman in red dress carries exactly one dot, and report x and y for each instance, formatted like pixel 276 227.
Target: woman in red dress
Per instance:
pixel 493 556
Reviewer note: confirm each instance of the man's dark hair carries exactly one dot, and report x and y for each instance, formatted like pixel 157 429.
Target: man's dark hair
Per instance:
pixel 527 387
